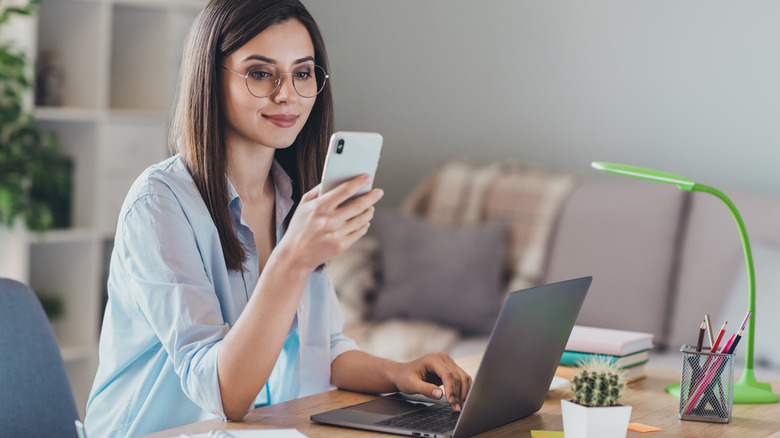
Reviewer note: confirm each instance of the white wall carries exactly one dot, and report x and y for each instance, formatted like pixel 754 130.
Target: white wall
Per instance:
pixel 687 87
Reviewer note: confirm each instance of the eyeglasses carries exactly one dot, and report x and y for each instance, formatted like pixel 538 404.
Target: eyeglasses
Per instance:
pixel 263 80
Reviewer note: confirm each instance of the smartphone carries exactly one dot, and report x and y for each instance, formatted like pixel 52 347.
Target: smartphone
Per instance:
pixel 350 154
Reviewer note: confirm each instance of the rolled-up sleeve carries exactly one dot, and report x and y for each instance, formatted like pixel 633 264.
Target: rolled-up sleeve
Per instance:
pixel 339 343
pixel 173 293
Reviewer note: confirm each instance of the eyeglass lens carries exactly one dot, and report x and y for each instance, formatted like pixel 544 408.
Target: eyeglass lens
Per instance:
pixel 263 80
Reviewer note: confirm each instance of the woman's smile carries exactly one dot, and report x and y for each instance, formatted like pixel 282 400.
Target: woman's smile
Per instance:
pixel 282 120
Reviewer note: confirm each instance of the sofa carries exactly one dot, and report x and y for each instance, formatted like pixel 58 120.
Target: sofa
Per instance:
pixel 432 274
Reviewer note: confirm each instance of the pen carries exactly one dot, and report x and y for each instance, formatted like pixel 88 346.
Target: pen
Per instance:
pixel 717 340
pixel 701 336
pixel 709 328
pixel 736 341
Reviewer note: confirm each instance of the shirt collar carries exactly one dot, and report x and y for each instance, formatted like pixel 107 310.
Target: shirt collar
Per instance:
pixel 284 192
pixel 283 189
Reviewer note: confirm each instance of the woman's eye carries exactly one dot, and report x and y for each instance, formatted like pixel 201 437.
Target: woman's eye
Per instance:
pixel 302 75
pixel 261 74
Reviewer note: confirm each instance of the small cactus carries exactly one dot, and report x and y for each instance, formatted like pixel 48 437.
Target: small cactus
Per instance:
pixel 599 383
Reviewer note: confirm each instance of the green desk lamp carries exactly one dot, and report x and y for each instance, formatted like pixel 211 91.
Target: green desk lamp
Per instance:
pixel 747 389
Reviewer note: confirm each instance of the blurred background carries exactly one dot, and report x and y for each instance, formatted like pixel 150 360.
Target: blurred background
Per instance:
pixel 686 87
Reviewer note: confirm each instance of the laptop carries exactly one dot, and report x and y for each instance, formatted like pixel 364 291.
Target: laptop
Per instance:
pixel 512 381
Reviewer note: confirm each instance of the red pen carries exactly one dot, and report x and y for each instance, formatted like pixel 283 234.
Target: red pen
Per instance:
pixel 719 338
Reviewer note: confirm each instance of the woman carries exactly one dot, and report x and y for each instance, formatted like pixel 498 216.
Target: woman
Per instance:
pixel 217 299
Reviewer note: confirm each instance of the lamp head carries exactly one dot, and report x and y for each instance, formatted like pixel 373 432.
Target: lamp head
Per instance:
pixel 642 173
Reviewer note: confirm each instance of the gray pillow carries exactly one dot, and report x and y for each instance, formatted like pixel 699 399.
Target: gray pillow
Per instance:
pixel 452 276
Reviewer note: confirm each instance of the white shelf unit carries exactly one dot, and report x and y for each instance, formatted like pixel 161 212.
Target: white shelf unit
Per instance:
pixel 120 60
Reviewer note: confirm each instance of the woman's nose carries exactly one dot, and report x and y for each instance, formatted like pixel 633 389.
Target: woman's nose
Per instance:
pixel 286 90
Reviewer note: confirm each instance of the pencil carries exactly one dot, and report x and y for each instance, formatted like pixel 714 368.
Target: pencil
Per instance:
pixel 714 348
pixel 736 341
pixel 727 346
pixel 701 336
pixel 709 329
pixel 744 323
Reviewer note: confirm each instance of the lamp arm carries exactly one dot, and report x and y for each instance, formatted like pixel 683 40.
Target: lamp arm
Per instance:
pixel 751 271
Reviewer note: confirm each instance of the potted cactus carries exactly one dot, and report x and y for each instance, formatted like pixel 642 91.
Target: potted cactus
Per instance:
pixel 595 410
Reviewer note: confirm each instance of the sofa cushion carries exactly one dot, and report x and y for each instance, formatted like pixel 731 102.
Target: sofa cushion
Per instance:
pixel 449 275
pixel 355 279
pixel 526 199
pixel 712 256
pixel 623 233
pixel 403 340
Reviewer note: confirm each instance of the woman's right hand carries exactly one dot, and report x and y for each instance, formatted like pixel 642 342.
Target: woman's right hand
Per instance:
pixel 323 226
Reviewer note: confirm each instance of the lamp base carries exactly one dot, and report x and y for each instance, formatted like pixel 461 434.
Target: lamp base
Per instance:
pixel 745 391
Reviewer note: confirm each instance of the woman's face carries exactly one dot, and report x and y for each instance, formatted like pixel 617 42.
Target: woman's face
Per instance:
pixel 276 120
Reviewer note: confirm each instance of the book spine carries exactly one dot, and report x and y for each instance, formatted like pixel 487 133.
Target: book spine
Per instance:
pixel 574 358
pixel 594 347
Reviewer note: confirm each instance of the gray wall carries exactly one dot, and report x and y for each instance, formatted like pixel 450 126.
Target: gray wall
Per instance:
pixel 687 87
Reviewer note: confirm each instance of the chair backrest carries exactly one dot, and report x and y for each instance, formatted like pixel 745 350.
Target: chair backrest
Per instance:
pixel 35 394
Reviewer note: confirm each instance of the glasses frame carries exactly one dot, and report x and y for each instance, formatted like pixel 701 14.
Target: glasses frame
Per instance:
pixel 279 82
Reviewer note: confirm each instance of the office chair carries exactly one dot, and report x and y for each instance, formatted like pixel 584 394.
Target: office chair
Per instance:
pixel 36 399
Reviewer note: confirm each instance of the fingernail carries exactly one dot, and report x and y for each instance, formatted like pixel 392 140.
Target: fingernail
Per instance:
pixel 437 393
pixel 457 407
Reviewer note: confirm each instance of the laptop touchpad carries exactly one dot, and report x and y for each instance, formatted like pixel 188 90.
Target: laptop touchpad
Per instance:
pixel 389 406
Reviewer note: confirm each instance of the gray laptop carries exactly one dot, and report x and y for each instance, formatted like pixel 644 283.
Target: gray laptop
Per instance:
pixel 512 381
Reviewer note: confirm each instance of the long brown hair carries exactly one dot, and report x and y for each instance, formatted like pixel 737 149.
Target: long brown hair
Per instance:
pixel 196 129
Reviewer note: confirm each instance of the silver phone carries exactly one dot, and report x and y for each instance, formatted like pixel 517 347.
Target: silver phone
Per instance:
pixel 350 154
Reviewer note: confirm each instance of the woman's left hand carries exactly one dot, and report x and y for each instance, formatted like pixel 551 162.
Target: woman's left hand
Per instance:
pixel 424 375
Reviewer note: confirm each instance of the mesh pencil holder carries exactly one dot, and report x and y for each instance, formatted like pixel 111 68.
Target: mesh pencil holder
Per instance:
pixel 706 386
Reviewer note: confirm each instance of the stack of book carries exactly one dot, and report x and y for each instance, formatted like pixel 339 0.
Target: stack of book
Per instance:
pixel 629 350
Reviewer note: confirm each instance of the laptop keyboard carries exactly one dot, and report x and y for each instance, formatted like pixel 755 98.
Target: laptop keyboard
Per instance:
pixel 436 419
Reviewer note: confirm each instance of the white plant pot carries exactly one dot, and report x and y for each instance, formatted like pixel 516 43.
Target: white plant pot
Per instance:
pixel 587 422
pixel 15 252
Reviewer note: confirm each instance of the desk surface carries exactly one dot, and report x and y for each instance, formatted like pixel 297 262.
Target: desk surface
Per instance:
pixel 650 405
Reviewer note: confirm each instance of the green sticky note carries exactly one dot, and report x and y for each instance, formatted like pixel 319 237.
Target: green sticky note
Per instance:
pixel 547 433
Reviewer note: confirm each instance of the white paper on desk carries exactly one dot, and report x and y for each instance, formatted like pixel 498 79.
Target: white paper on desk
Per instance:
pixel 257 433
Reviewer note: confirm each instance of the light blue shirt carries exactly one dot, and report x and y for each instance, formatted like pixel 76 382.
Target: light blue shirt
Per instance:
pixel 171 301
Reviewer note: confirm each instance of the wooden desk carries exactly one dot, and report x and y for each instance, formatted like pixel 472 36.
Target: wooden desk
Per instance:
pixel 651 406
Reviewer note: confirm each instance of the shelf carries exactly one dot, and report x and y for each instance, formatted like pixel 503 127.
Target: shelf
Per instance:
pixel 75 114
pixel 69 235
pixel 71 29
pixel 162 4
pixel 136 114
pixel 65 114
pixel 78 139
pixel 118 64
pixel 138 63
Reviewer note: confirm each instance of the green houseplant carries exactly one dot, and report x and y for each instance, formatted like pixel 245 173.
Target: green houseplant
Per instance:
pixel 33 169
pixel 595 410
